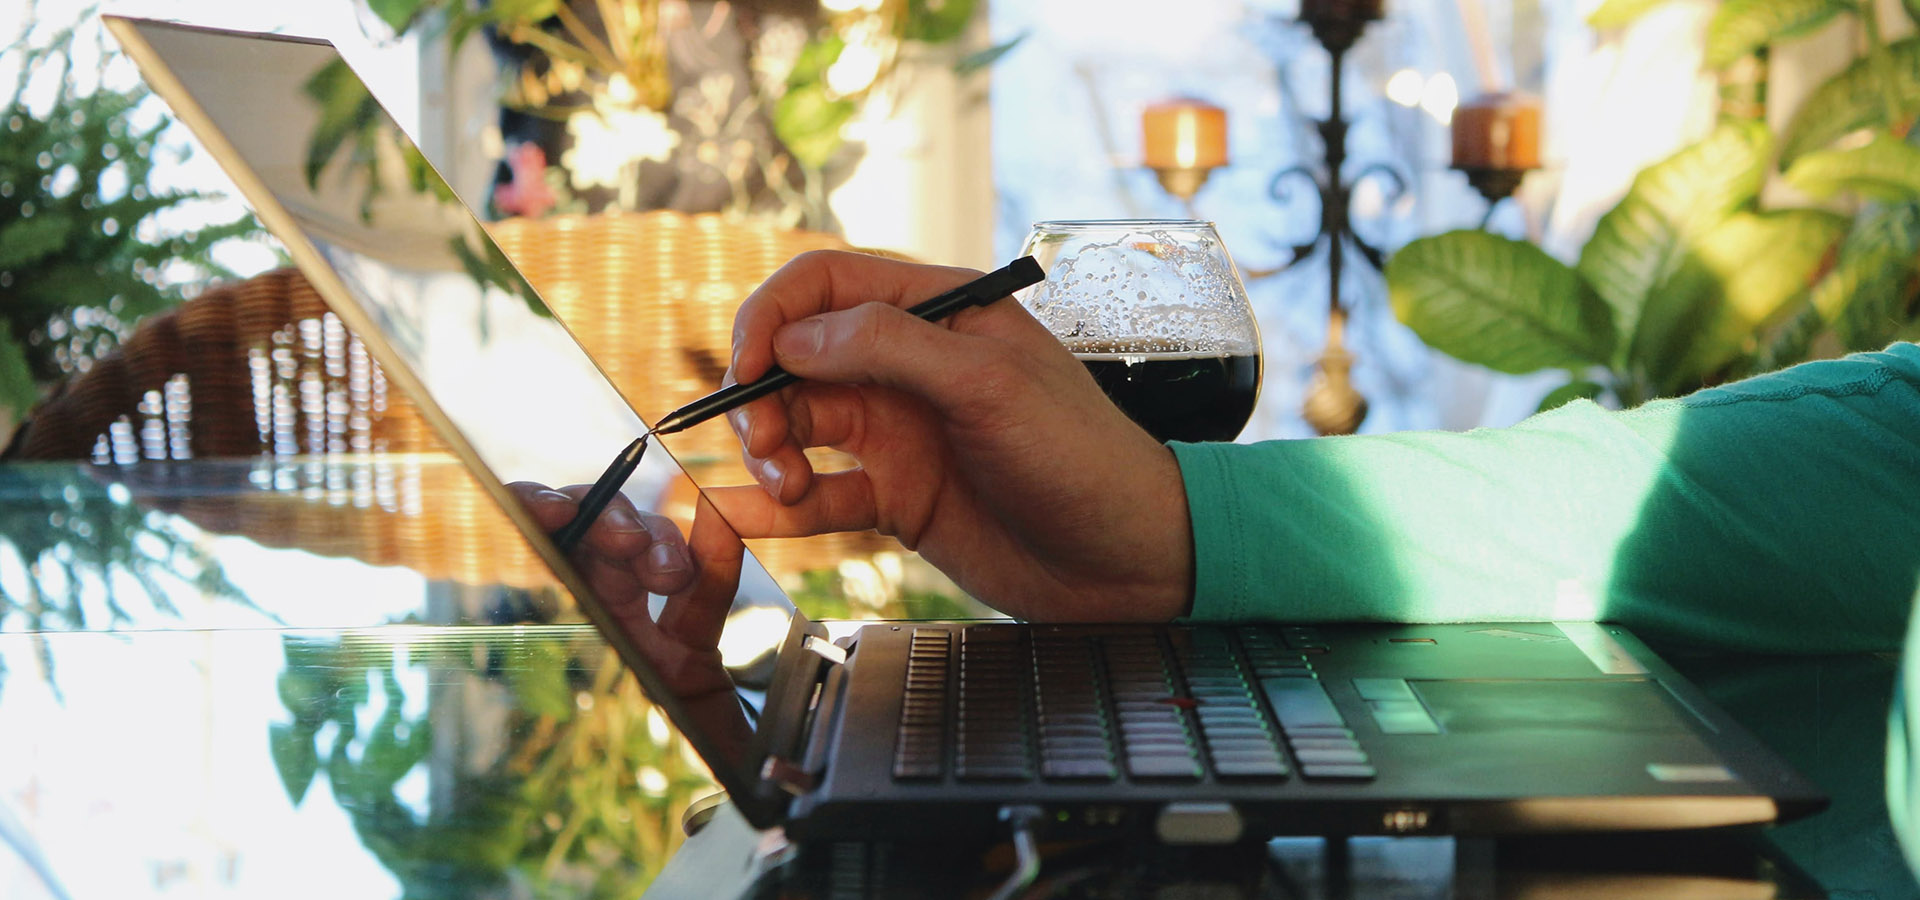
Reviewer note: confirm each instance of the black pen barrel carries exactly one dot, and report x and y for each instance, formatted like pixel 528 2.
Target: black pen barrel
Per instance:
pixel 724 399
pixel 598 496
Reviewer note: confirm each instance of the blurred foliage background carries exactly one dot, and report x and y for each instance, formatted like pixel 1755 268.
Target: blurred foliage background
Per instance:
pixel 90 238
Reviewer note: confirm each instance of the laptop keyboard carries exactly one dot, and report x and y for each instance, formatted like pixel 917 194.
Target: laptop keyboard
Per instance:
pixel 1088 703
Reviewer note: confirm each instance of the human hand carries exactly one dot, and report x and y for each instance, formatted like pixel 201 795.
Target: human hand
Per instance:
pixel 983 444
pixel 628 554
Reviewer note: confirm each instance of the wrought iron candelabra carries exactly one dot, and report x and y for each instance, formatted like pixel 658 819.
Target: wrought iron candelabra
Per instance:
pixel 1333 404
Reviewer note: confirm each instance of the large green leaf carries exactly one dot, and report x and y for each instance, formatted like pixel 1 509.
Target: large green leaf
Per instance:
pixel 1740 27
pixel 1866 298
pixel 1855 99
pixel 1736 281
pixel 1640 242
pixel 1615 13
pixel 1500 303
pixel 1885 169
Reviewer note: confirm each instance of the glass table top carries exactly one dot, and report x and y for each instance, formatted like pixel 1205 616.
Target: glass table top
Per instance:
pixel 332 678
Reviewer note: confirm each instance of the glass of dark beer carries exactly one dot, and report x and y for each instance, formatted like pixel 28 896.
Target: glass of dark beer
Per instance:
pixel 1157 312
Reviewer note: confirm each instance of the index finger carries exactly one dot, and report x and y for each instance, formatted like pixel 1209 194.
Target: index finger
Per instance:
pixel 823 281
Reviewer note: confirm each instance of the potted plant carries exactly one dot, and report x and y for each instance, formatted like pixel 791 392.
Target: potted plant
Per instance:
pixel 1688 281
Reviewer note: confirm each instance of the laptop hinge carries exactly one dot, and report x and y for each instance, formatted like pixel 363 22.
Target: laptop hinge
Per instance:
pixel 825 649
pixel 804 663
pixel 798 778
pixel 787 776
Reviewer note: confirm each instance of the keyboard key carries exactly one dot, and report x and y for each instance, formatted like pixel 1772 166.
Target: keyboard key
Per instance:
pixel 1301 703
pixel 1337 772
pixel 1384 689
pixel 1162 765
pixel 1317 757
pixel 1323 743
pixel 1080 769
pixel 1256 768
pixel 1295 734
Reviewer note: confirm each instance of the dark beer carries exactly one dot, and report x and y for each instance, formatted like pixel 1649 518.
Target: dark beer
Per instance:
pixel 1177 395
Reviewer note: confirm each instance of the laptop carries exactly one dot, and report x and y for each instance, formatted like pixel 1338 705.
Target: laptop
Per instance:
pixel 946 729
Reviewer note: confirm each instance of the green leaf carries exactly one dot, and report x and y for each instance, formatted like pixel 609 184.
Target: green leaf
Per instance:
pixel 398 14
pixel 293 757
pixel 540 681
pixel 1616 13
pixel 531 12
pixel 1885 169
pixel 937 21
pixel 1578 389
pixel 1740 27
pixel 1639 242
pixel 346 110
pixel 1734 283
pixel 24 242
pixel 1500 303
pixel 808 122
pixel 18 391
pixel 1867 297
pixel 811 66
pixel 1854 99
pixel 1913 10
pixel 983 59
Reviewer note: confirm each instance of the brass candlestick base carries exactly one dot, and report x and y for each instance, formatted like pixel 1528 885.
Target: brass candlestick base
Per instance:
pixel 1183 182
pixel 1333 405
pixel 1494 184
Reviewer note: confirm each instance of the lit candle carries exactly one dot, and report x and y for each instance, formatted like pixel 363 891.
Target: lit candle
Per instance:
pixel 1185 134
pixel 1497 131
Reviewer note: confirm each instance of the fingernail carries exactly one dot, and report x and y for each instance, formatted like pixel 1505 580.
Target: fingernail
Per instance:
pixel 772 475
pixel 800 340
pixel 665 559
pixel 551 497
pixel 739 335
pixel 624 522
pixel 742 426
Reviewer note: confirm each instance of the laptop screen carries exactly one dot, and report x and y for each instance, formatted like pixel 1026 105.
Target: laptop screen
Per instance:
pixel 410 270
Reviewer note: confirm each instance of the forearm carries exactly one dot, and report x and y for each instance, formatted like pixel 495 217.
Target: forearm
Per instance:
pixel 1779 513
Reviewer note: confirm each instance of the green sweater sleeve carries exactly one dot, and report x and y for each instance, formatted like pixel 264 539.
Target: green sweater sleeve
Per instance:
pixel 1777 513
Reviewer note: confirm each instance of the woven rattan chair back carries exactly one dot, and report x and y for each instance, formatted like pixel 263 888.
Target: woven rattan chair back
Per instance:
pixel 261 367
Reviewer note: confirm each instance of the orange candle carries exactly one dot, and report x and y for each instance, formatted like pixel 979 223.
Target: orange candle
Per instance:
pixel 1185 134
pixel 1497 131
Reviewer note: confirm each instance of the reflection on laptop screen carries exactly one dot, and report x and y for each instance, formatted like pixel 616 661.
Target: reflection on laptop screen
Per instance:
pixel 419 277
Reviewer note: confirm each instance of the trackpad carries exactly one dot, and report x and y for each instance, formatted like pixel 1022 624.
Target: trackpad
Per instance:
pixel 1616 706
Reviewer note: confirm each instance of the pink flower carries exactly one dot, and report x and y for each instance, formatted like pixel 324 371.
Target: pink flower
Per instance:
pixel 526 192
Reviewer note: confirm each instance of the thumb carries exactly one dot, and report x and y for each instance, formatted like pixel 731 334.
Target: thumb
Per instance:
pixel 878 343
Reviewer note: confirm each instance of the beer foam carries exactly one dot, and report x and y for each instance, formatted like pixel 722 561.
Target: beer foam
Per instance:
pixel 1151 290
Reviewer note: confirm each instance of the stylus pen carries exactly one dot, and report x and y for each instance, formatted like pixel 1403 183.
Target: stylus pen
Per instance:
pixel 598 496
pixel 979 292
pixel 987 288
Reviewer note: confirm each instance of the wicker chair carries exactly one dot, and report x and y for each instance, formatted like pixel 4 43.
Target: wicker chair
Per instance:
pixel 262 368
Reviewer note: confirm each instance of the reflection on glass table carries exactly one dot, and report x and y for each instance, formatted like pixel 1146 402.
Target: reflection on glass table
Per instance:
pixel 398 761
pixel 240 673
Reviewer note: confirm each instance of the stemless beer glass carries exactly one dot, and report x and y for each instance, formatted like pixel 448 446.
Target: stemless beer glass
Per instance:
pixel 1156 311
